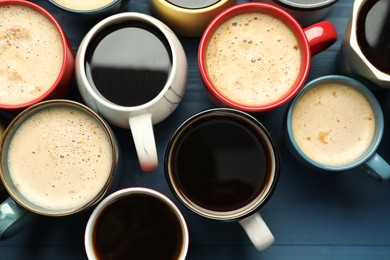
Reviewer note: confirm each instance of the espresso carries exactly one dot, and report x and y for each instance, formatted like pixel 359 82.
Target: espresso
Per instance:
pixel 60 158
pixel 137 227
pixel 129 63
pixel 253 59
pixel 373 33
pixel 83 5
pixel 221 164
pixel 31 54
pixel 333 124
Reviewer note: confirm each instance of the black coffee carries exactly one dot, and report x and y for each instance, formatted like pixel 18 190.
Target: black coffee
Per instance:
pixel 137 227
pixel 220 165
pixel 190 4
pixel 129 63
pixel 373 33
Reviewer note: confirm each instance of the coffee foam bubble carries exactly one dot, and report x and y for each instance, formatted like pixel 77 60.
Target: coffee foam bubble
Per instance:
pixel 31 54
pixel 60 158
pixel 333 124
pixel 253 59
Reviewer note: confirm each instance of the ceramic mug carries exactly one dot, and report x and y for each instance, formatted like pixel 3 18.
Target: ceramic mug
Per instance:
pixel 306 12
pixel 91 9
pixel 223 164
pixel 188 18
pixel 36 60
pixel 132 69
pixel 365 50
pixel 136 223
pixel 255 56
pixel 335 124
pixel 58 158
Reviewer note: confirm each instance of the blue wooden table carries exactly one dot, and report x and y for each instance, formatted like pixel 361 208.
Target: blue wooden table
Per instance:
pixel 312 215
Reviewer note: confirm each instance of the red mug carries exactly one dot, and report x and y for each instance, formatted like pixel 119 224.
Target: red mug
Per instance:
pixel 37 61
pixel 256 57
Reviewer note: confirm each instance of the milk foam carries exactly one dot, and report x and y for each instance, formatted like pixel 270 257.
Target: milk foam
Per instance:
pixel 333 124
pixel 253 59
pixel 31 54
pixel 60 158
pixel 83 4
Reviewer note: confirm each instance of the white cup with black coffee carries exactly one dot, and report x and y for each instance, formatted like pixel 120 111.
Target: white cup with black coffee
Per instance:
pixel 365 49
pixel 132 69
pixel 136 223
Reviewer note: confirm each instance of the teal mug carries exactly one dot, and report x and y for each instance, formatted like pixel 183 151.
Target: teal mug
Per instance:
pixel 57 158
pixel 335 124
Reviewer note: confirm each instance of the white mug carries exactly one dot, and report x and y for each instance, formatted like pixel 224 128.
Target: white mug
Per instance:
pixel 146 223
pixel 354 61
pixel 139 118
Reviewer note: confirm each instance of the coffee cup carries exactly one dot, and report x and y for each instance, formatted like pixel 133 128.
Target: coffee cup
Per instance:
pixel 223 164
pixel 58 158
pixel 132 69
pixel 136 223
pixel 91 9
pixel 335 124
pixel 365 51
pixel 188 18
pixel 36 61
pixel 306 12
pixel 255 56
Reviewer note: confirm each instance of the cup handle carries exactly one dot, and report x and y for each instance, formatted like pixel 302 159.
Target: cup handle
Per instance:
pixel 320 36
pixel 142 130
pixel 377 167
pixel 13 218
pixel 257 231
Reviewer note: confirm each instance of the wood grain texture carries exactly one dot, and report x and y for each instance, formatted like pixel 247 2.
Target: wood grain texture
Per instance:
pixel 313 215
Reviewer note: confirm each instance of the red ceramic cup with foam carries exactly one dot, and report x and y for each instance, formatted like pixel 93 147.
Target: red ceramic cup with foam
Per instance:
pixel 256 57
pixel 36 61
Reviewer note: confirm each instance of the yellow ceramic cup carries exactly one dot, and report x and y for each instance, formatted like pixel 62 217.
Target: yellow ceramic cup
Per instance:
pixel 185 18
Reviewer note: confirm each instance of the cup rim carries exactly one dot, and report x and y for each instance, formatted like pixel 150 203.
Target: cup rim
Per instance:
pixel 373 102
pixel 20 119
pixel 128 192
pixel 64 42
pixel 185 9
pixel 251 207
pixel 254 7
pixel 126 16
pixel 87 11
pixel 306 6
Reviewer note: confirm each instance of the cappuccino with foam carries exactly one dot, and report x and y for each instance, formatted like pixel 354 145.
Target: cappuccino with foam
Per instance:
pixel 31 57
pixel 333 124
pixel 83 5
pixel 253 59
pixel 60 158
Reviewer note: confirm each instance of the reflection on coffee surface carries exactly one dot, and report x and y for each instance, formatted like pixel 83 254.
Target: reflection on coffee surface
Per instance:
pixel 129 63
pixel 253 59
pixel 137 227
pixel 220 164
pixel 83 5
pixel 333 124
pixel 60 158
pixel 31 54
pixel 373 33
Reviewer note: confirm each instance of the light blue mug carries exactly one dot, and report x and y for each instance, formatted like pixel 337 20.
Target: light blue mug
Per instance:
pixel 335 124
